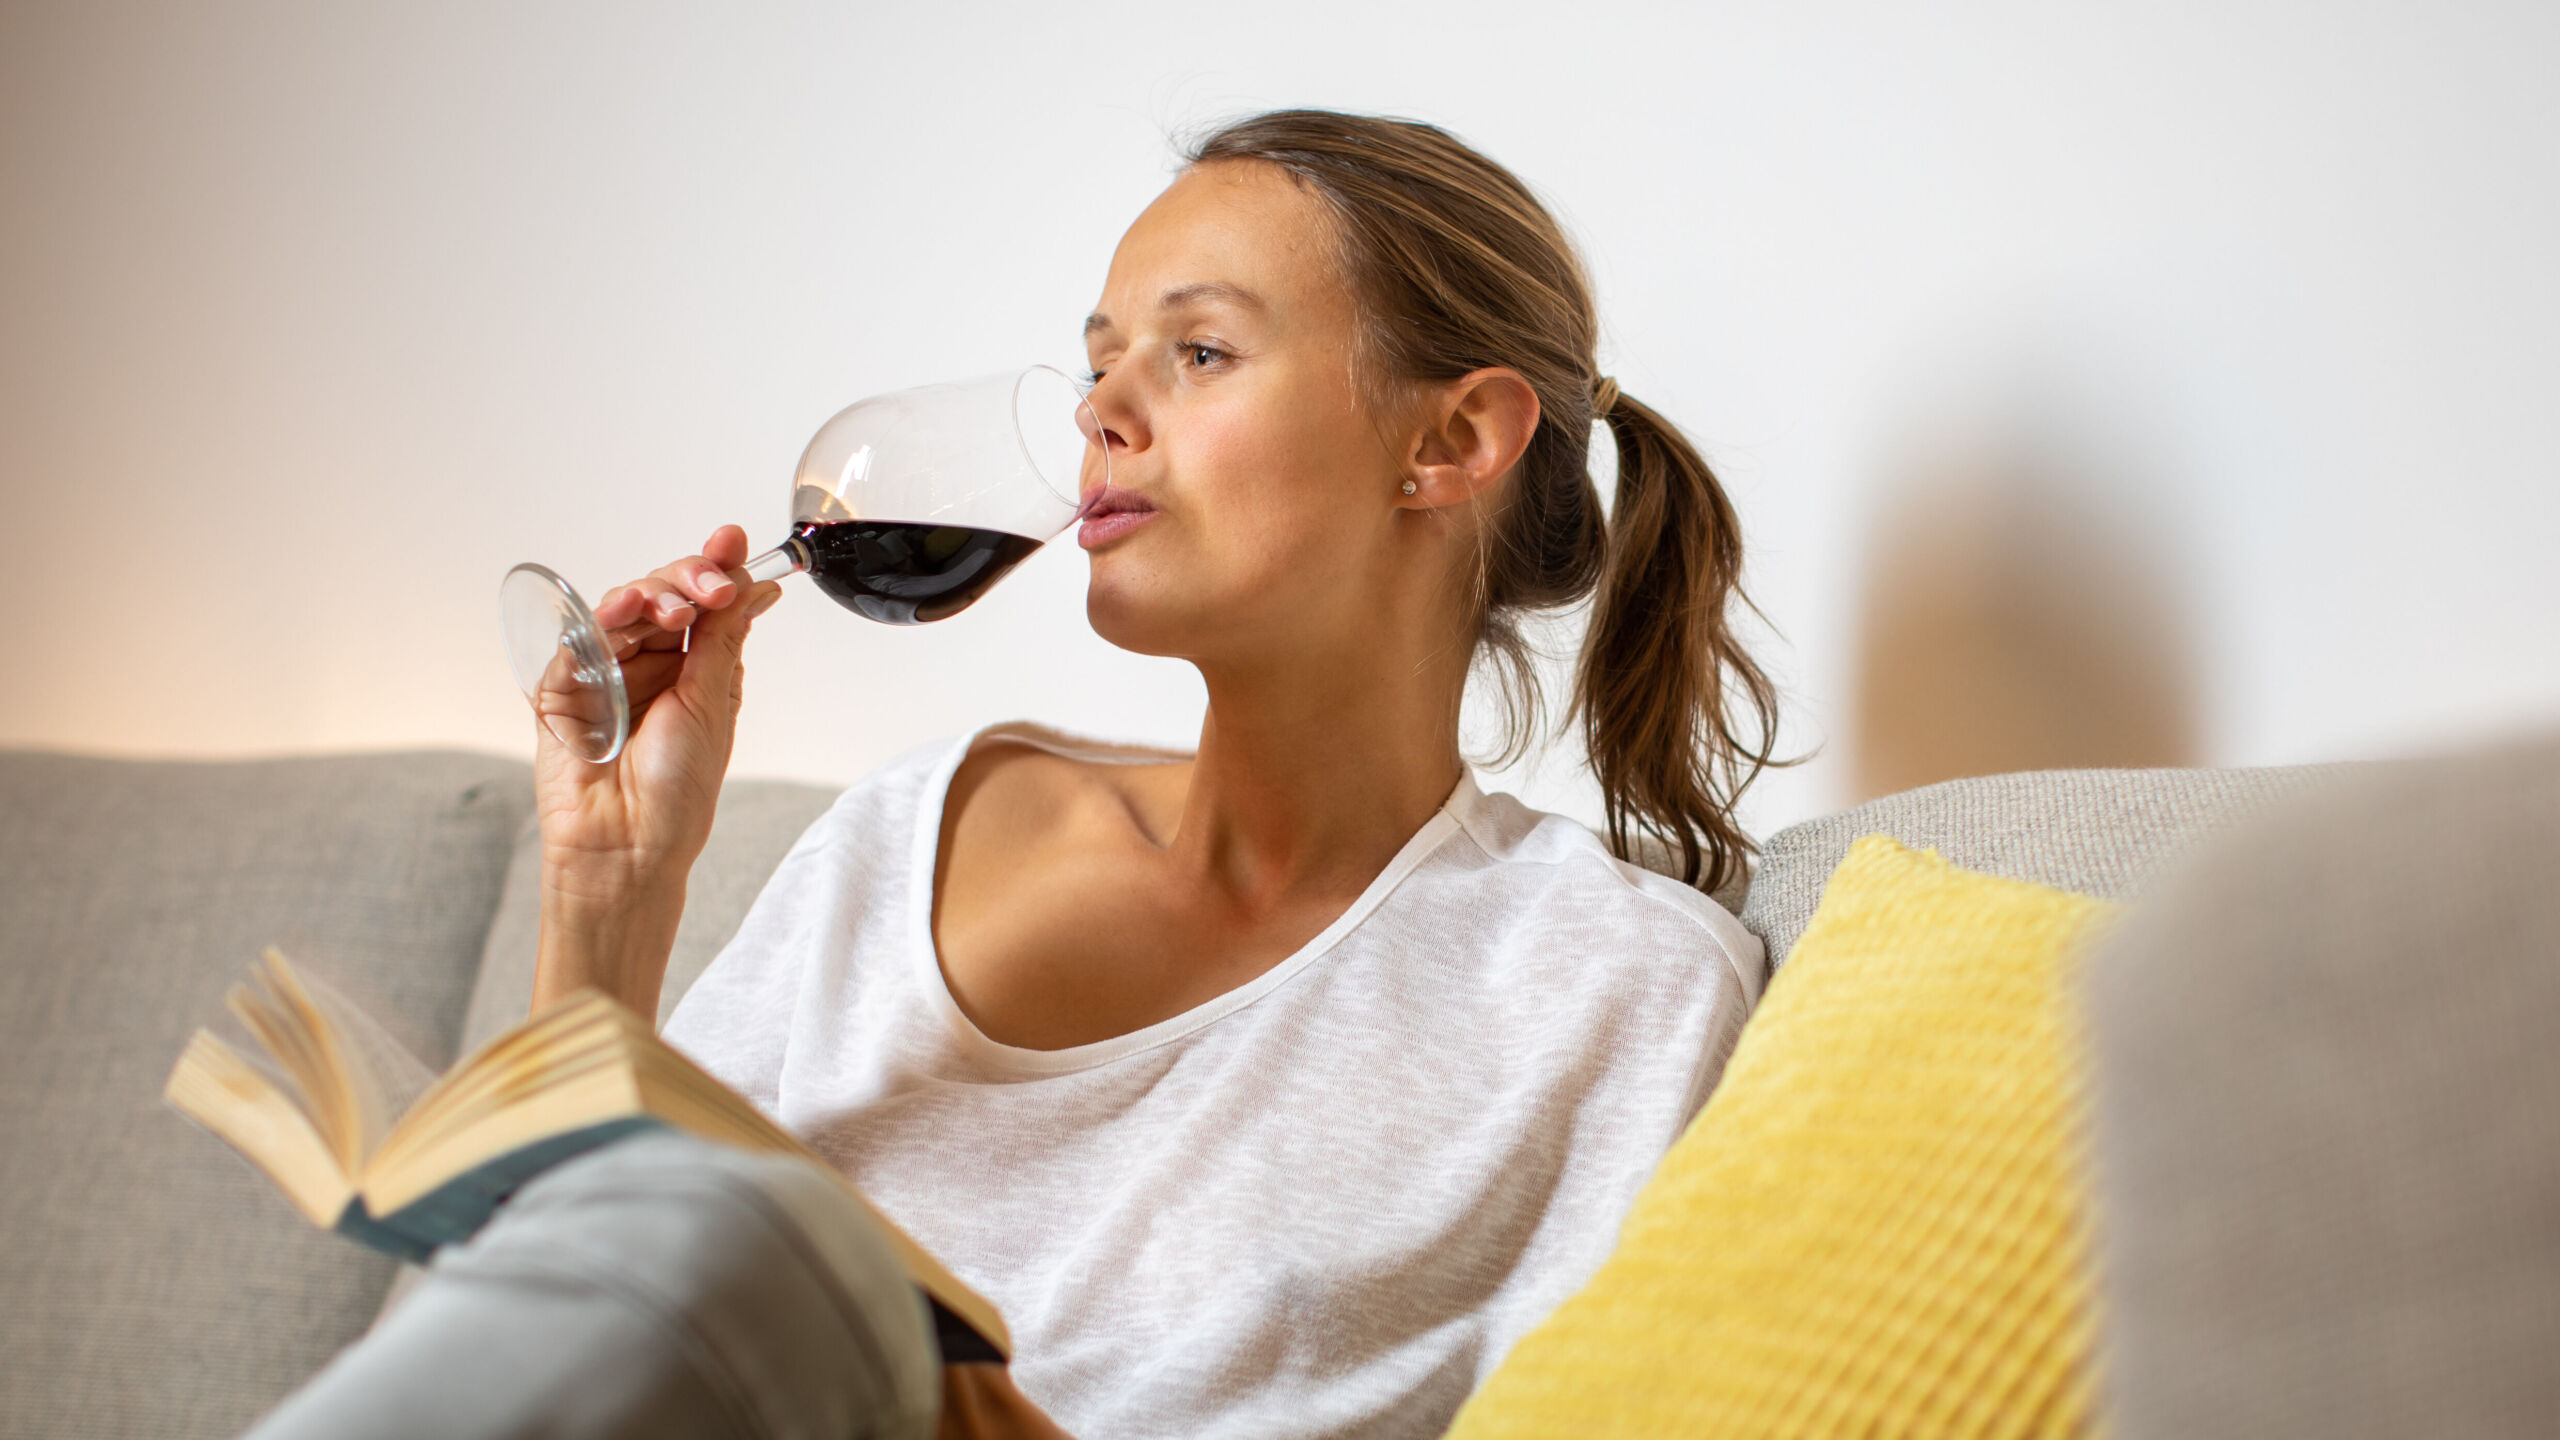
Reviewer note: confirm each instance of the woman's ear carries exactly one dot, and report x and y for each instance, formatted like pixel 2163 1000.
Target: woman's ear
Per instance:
pixel 1474 429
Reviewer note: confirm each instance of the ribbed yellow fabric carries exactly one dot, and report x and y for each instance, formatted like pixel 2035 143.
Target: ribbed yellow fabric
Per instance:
pixel 1877 1225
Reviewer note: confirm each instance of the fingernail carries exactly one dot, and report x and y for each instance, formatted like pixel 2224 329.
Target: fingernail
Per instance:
pixel 712 583
pixel 668 605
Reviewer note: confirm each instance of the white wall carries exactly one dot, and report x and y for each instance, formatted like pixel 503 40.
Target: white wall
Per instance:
pixel 315 318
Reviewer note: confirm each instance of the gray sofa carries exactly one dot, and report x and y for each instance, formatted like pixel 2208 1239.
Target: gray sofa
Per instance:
pixel 155 1286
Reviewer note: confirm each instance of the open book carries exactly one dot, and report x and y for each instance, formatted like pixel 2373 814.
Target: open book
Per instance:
pixel 406 1179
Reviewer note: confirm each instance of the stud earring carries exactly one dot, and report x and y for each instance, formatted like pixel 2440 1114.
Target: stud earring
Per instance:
pixel 1408 487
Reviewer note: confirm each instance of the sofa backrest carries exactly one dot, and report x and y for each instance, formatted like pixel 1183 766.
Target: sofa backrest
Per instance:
pixel 757 822
pixel 2095 832
pixel 154 1284
pixel 158 1286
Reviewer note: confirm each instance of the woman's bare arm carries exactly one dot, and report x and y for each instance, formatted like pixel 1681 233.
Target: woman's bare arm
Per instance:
pixel 619 839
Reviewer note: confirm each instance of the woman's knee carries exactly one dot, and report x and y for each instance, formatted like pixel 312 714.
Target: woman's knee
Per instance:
pixel 663 1277
pixel 766 1272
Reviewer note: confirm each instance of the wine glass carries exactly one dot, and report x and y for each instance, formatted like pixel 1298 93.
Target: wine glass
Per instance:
pixel 906 508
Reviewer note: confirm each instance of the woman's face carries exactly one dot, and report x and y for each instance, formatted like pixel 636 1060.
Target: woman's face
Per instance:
pixel 1265 486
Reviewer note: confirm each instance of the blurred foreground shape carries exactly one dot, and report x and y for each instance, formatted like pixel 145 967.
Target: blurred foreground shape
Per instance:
pixel 2015 615
pixel 2328 1116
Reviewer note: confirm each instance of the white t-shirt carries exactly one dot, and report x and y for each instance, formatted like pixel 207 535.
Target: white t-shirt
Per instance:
pixel 1324 1203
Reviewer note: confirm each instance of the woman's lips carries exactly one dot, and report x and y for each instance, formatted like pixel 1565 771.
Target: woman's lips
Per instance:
pixel 1111 514
pixel 1103 529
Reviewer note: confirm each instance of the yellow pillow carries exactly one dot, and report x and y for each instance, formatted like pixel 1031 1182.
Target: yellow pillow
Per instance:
pixel 1876 1226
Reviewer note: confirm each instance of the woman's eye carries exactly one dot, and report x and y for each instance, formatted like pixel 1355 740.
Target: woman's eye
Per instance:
pixel 1203 356
pixel 1093 377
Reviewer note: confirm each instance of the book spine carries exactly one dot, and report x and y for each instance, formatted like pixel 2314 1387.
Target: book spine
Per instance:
pixel 363 1229
pixel 455 1210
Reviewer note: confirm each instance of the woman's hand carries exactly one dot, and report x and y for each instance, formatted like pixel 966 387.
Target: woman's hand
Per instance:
pixel 618 839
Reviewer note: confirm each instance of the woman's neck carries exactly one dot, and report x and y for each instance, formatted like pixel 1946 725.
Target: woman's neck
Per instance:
pixel 1311 777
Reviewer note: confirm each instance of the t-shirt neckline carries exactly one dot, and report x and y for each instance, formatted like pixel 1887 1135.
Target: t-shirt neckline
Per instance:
pixel 926 847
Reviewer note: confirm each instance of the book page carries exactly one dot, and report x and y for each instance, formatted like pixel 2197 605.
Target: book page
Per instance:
pixel 578 1030
pixel 285 1033
pixel 588 1060
pixel 217 1088
pixel 384 1077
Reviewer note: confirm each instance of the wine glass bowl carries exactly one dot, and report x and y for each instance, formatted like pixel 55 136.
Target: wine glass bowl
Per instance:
pixel 908 506
pixel 1004 452
pixel 905 508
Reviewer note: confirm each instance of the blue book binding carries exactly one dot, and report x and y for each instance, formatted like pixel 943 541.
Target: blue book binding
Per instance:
pixel 455 1210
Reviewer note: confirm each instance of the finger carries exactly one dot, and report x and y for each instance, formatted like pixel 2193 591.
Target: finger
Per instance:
pixel 649 602
pixel 716 650
pixel 667 596
pixel 645 614
pixel 620 606
pixel 727 547
pixel 562 688
pixel 568 703
pixel 642 638
pixel 699 580
pixel 662 604
pixel 649 607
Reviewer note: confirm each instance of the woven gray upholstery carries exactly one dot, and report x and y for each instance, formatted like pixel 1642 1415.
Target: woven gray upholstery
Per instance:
pixel 155 1285
pixel 756 825
pixel 2095 832
pixel 2328 1117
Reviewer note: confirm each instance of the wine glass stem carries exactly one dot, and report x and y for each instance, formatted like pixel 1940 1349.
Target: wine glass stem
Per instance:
pixel 777 562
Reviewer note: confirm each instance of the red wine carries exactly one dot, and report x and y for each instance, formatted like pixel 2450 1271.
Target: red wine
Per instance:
pixel 901 574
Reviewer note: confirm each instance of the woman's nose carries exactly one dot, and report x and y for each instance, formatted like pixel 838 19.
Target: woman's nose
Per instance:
pixel 1111 420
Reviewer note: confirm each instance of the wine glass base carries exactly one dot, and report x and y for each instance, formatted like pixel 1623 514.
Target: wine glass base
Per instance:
pixel 564 664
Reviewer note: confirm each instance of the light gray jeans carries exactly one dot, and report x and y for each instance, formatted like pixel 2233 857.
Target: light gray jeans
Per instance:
pixel 660 1286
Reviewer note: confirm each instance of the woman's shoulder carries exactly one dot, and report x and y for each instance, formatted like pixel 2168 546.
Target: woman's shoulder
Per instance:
pixel 1025 760
pixel 1557 871
pixel 1019 799
pixel 889 793
pixel 922 774
pixel 1016 776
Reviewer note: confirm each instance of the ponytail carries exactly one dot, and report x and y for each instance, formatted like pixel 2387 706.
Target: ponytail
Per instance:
pixel 1677 717
pixel 1457 266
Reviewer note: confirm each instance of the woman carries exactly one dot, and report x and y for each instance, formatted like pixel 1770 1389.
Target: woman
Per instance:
pixel 1278 1087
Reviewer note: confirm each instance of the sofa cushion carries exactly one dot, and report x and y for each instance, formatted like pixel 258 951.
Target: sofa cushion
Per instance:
pixel 155 1284
pixel 756 825
pixel 1876 1226
pixel 2093 832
